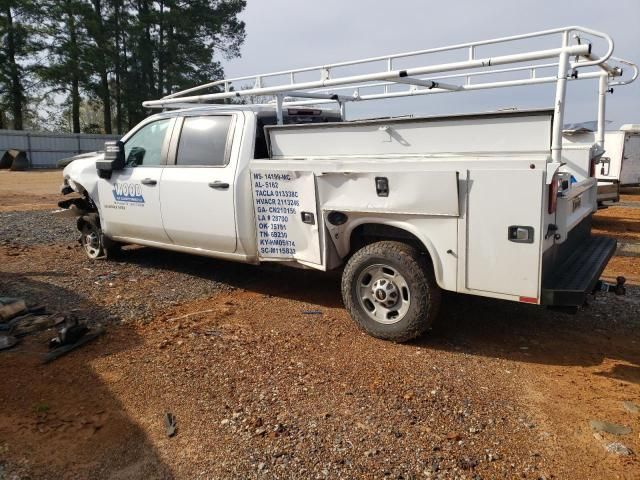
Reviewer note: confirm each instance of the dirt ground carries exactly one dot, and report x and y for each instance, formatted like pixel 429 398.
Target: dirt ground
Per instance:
pixel 268 377
pixel 34 190
pixel 621 222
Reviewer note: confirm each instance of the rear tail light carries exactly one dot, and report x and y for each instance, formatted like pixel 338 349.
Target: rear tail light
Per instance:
pixel 553 194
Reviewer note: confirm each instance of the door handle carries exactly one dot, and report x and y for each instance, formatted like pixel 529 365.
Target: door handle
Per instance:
pixel 219 185
pixel 148 181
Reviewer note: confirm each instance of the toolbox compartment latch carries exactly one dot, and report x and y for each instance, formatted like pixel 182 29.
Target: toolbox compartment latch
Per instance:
pixel 520 234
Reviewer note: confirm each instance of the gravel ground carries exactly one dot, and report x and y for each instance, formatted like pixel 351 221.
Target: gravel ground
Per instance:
pixel 269 378
pixel 36 228
pixel 166 278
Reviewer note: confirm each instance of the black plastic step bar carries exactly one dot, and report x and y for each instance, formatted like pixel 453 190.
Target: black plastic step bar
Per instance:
pixel 576 277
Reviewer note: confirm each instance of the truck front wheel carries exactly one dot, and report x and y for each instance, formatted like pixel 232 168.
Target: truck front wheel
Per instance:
pixel 389 289
pixel 93 240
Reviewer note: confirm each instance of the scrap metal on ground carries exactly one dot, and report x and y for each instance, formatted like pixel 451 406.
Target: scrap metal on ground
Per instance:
pixel 18 320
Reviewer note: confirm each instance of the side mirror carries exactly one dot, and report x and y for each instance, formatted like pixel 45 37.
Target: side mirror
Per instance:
pixel 113 159
pixel 136 156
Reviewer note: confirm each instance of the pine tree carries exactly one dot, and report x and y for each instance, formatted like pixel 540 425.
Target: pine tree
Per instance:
pixel 177 44
pixel 67 43
pixel 99 54
pixel 197 32
pixel 112 53
pixel 18 19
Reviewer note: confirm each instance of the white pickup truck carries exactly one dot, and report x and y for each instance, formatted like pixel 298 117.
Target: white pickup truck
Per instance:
pixel 484 204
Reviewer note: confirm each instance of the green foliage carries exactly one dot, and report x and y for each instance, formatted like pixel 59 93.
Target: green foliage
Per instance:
pixel 113 53
pixel 18 43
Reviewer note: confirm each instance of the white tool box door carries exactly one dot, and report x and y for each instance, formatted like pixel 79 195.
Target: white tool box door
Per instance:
pixel 503 231
pixel 286 215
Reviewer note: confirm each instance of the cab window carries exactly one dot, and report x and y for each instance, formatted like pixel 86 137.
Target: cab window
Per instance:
pixel 145 147
pixel 203 141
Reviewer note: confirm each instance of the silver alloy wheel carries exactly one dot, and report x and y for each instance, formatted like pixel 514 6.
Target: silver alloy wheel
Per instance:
pixel 91 242
pixel 383 293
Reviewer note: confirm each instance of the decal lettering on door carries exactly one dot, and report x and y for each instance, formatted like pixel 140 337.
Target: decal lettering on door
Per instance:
pixel 276 202
pixel 286 215
pixel 128 192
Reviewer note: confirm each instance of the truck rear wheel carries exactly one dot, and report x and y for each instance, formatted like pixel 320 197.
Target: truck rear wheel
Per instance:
pixel 390 291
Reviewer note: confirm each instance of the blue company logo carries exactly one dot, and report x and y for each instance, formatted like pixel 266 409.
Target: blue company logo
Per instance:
pixel 128 192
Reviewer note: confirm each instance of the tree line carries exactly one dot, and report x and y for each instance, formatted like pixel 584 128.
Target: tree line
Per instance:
pixel 87 65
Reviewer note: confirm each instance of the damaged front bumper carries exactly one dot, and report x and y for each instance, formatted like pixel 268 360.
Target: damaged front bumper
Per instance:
pixel 72 207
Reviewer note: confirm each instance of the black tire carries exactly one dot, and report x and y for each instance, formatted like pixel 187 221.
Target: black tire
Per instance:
pixel 412 271
pixel 95 244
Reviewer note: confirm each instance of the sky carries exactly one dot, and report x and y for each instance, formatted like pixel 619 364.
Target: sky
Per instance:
pixel 283 34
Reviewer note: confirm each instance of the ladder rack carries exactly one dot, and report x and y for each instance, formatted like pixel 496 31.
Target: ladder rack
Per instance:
pixel 420 75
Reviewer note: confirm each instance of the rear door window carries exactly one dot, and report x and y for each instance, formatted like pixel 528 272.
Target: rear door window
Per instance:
pixel 203 141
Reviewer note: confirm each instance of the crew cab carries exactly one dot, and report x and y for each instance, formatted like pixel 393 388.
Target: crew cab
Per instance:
pixel 487 204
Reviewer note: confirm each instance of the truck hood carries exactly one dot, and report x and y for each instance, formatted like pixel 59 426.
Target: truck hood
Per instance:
pixel 66 161
pixel 80 163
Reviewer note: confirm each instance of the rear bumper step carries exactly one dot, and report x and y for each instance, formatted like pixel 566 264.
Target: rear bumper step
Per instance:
pixel 576 277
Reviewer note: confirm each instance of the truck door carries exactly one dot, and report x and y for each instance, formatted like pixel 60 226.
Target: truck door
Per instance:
pixel 197 187
pixel 130 199
pixel 503 231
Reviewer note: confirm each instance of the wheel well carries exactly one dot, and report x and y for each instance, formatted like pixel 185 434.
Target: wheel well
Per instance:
pixel 88 218
pixel 374 232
